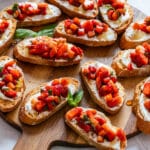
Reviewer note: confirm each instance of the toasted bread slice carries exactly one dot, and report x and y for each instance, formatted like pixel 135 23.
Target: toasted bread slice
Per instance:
pixel 104 39
pixel 133 37
pixel 121 64
pixel 31 116
pixel 7 36
pixel 122 22
pixel 75 11
pixel 52 14
pixel 22 52
pixel 9 103
pixel 92 88
pixel 142 114
pixel 72 117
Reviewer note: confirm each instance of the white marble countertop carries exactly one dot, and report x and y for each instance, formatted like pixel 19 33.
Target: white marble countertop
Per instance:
pixel 9 135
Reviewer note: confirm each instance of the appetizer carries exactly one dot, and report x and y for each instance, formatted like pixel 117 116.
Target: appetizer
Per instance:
pixel 116 13
pixel 77 8
pixel 133 62
pixel 7 30
pixel 12 84
pixel 88 32
pixel 44 50
pixel 137 33
pixel 102 84
pixel 96 128
pixel 31 13
pixel 45 100
pixel 141 105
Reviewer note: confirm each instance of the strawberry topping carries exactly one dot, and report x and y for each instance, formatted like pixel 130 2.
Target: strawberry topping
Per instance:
pixel 10 76
pixel 90 28
pixel 23 10
pixel 85 4
pixel 54 49
pixel 105 83
pixel 116 8
pixel 3 26
pixel 90 122
pixel 145 26
pixel 50 95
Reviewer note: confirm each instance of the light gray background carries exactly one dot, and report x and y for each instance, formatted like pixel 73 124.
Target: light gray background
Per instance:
pixel 9 135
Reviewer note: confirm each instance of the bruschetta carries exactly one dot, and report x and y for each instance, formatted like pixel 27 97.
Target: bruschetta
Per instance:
pixel 116 13
pixel 102 84
pixel 141 105
pixel 96 128
pixel 137 33
pixel 31 13
pixel 12 84
pixel 7 30
pixel 45 100
pixel 77 8
pixel 133 62
pixel 44 50
pixel 87 32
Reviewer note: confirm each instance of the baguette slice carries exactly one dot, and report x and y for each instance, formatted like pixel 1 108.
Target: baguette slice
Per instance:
pixel 8 104
pixel 92 137
pixel 7 36
pixel 124 67
pixel 106 38
pixel 133 37
pixel 92 88
pixel 75 11
pixel 122 22
pixel 53 13
pixel 31 116
pixel 21 52
pixel 142 114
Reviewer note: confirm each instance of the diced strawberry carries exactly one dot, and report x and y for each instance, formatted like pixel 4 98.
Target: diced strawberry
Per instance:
pixel 115 16
pixel 2 83
pixel 73 27
pixel 114 102
pixel 102 72
pixel 55 81
pixel 76 21
pixel 121 135
pixel 100 3
pixel 64 92
pixel 130 67
pixel 136 26
pixel 102 132
pixel 73 113
pixel 57 90
pixel 104 90
pixel 81 32
pixel 8 78
pixel 64 82
pixel 110 13
pixel 91 112
pixel 15 73
pixel 91 34
pixel 147 104
pixel 11 85
pixel 88 26
pixel 98 82
pixel 39 106
pixel 10 63
pixel 146 89
pixel 10 93
pixel 148 29
pixel 92 69
pixel 85 127
pixel 117 5
pixel 100 120
pixel 88 6
pixel 9 11
pixel 67 23
pixel 99 29
pixel 108 97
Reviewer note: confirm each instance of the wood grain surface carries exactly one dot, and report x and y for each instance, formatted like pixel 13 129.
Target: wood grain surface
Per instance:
pixel 54 129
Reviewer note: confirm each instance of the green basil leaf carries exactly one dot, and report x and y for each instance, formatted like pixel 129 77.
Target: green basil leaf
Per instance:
pixel 15 7
pixel 24 33
pixel 47 31
pixel 74 100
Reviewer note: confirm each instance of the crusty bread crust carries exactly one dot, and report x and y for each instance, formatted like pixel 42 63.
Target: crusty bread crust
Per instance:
pixel 34 22
pixel 142 125
pixel 21 53
pixel 73 11
pixel 7 43
pixel 94 42
pixel 124 25
pixel 90 141
pixel 7 105
pixel 32 119
pixel 98 100
pixel 122 71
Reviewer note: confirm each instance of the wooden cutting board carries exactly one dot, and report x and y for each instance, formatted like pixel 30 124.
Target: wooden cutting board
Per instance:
pixel 54 129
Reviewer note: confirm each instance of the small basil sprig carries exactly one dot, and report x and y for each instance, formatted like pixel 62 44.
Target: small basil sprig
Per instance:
pixel 25 33
pixel 74 100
